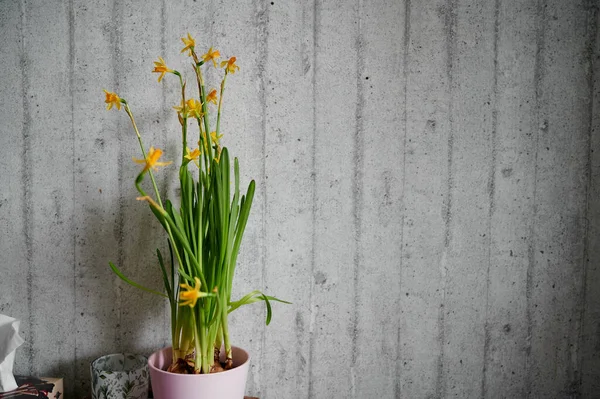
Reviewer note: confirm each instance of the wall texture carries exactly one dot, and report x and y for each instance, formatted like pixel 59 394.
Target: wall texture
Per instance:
pixel 428 189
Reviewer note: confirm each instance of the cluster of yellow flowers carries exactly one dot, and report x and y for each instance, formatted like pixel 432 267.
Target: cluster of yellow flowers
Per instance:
pixel 190 108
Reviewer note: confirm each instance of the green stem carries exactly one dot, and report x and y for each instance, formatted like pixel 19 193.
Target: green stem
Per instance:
pixel 225 327
pixel 202 91
pixel 139 137
pixel 220 102
pixel 184 118
pixel 199 342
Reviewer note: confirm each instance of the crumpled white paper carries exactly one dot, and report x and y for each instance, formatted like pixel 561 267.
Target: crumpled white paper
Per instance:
pixel 9 342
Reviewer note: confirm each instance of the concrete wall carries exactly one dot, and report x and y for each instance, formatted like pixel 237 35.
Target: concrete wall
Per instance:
pixel 428 189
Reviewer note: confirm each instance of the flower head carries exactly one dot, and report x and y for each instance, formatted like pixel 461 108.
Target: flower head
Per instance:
pixel 189 43
pixel 192 155
pixel 161 67
pixel 194 108
pixel 191 294
pixel 112 99
pixel 215 139
pixel 151 160
pixel 212 97
pixel 211 56
pixel 229 65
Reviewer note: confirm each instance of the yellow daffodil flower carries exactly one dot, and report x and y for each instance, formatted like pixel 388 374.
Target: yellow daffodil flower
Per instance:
pixel 194 108
pixel 161 67
pixel 191 294
pixel 212 97
pixel 189 43
pixel 211 56
pixel 193 155
pixel 229 65
pixel 215 139
pixel 151 160
pixel 112 99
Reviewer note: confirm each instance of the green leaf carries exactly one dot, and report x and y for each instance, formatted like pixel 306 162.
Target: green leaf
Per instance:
pixel 158 215
pixel 164 274
pixel 253 297
pixel 133 283
pixel 269 314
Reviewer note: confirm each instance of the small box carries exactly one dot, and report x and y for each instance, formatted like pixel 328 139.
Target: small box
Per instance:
pixel 32 387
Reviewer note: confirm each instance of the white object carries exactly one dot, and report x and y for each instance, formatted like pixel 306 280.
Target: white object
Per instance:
pixel 9 342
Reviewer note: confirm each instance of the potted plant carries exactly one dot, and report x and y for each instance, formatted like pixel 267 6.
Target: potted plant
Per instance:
pixel 204 236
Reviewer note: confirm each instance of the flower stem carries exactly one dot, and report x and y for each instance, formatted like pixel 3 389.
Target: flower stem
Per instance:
pixel 128 111
pixel 220 102
pixel 225 327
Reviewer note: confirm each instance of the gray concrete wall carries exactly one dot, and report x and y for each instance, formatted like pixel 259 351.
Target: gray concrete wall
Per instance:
pixel 428 189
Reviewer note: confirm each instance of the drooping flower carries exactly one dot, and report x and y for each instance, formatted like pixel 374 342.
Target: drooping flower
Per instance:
pixel 189 43
pixel 229 65
pixel 161 67
pixel 212 97
pixel 191 294
pixel 211 56
pixel 151 160
pixel 152 203
pixel 112 99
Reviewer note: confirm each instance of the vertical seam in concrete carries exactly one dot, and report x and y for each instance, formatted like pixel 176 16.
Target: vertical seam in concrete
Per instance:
pixel 116 42
pixel 263 48
pixel 450 28
pixel 357 194
pixel 73 226
pixel 537 77
pixel 311 346
pixel 492 192
pixel 592 35
pixel 406 48
pixel 26 177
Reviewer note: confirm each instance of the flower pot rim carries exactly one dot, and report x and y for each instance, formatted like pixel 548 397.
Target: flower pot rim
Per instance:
pixel 151 358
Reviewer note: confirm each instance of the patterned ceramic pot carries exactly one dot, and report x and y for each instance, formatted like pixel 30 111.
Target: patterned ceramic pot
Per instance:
pixel 230 384
pixel 120 376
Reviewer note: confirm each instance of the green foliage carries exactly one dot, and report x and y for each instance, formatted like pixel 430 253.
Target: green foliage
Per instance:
pixel 204 233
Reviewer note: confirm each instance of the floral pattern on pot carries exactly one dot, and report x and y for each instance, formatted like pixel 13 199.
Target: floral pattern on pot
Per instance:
pixel 120 376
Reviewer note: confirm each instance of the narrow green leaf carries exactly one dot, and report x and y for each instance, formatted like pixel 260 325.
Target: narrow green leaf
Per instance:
pixel 269 313
pixel 132 283
pixel 164 275
pixel 253 297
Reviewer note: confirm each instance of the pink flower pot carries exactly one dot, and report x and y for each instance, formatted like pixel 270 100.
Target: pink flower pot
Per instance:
pixel 230 384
